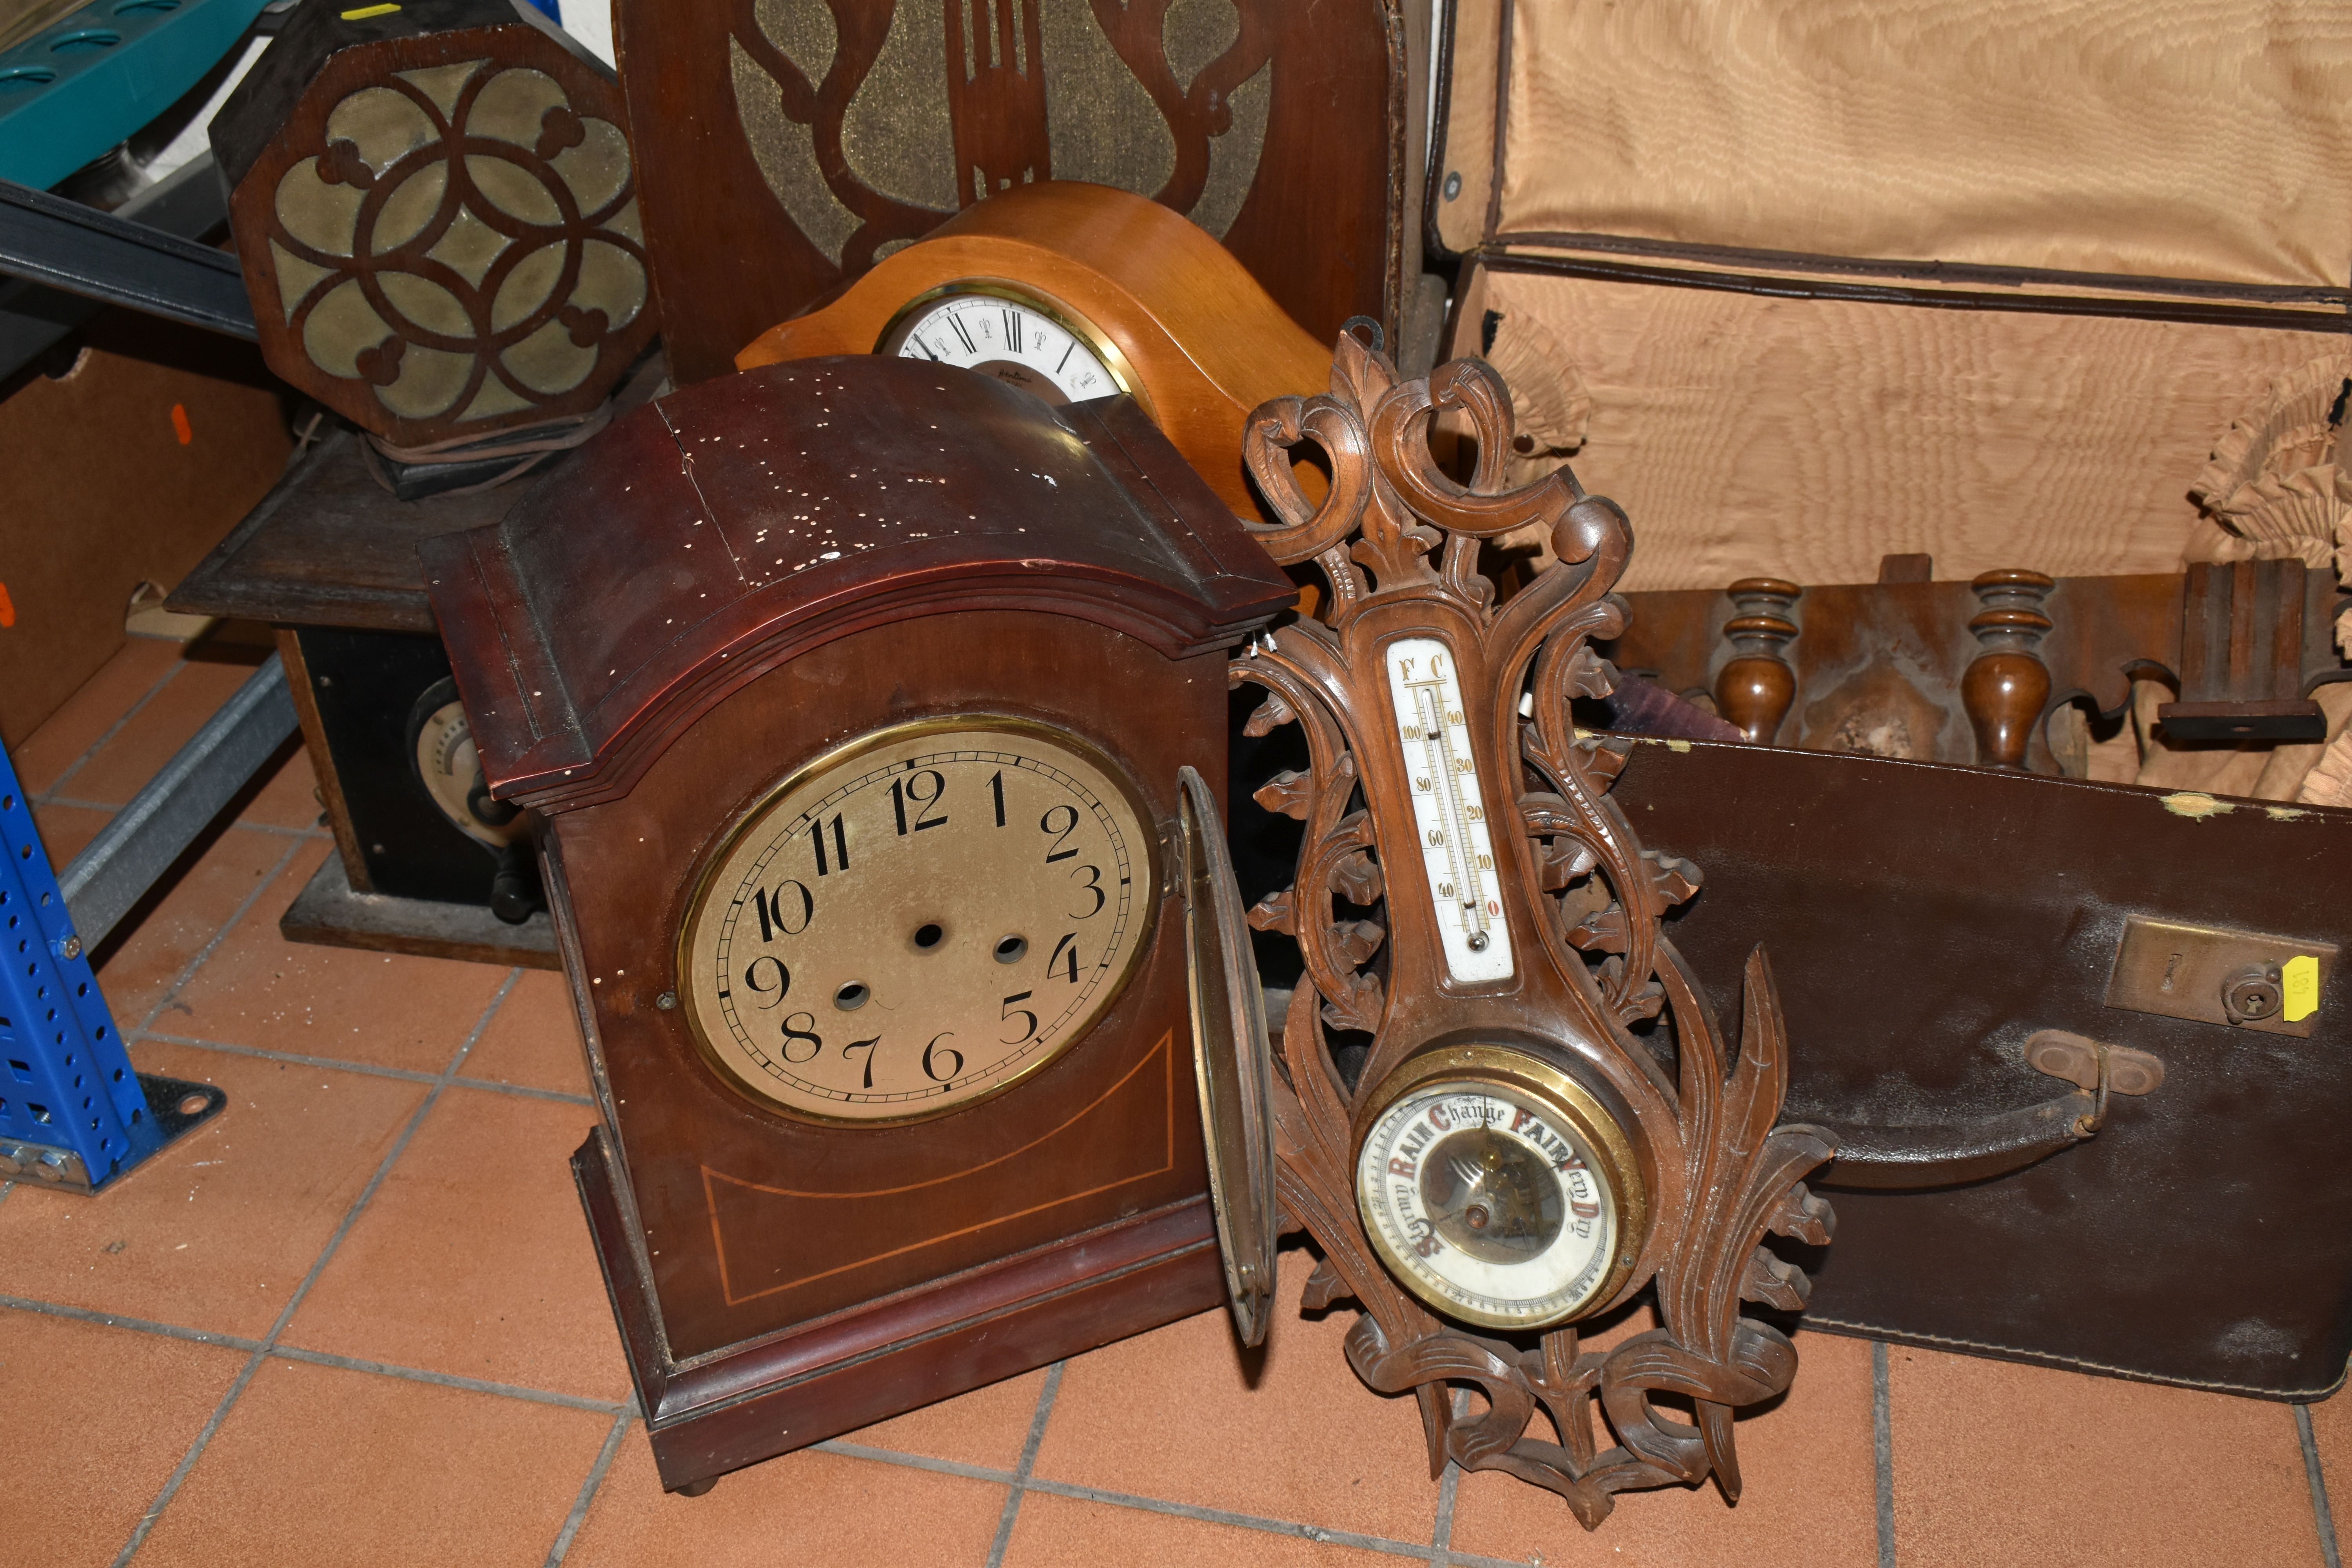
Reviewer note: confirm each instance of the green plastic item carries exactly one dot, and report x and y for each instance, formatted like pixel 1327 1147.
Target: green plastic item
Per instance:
pixel 79 87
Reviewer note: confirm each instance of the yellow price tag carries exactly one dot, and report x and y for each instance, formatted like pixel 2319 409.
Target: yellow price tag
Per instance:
pixel 2300 975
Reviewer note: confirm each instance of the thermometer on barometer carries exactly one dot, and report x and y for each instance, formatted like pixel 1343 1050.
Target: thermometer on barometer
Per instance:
pixel 1457 851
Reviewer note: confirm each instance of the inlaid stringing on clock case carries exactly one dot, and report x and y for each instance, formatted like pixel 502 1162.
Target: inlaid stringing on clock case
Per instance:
pixel 733 583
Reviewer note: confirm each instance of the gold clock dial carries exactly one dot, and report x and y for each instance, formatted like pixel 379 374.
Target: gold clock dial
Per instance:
pixel 1014 334
pixel 1505 1198
pixel 919 919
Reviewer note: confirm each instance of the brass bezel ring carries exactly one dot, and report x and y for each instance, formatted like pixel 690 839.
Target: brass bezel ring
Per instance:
pixel 1122 372
pixel 1515 1068
pixel 1146 856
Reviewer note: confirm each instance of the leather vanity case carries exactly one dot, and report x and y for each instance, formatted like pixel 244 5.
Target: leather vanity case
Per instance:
pixel 1942 937
pixel 784 146
pixel 1804 283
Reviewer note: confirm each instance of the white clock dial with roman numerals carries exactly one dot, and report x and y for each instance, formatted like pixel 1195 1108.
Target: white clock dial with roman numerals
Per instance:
pixel 1013 337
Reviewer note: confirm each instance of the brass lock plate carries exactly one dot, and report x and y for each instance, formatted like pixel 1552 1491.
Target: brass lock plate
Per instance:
pixel 2238 979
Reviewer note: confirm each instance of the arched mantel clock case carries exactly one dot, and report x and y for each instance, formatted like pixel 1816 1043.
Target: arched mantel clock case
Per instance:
pixel 853 693
pixel 1511 1156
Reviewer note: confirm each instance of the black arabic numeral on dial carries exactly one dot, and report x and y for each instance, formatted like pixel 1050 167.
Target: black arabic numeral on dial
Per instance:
pixel 840 845
pixel 800 1028
pixel 1045 824
pixel 867 1047
pixel 774 991
pixel 1065 958
pixel 1094 885
pixel 911 788
pixel 1008 1012
pixel 933 1049
pixel 775 910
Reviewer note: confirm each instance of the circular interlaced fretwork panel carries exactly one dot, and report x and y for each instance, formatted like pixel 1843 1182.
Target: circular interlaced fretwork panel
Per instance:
pixel 452 249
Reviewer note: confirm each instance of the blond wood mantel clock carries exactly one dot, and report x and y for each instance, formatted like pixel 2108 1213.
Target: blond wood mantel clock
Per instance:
pixel 852 695
pixel 1546 1124
pixel 1072 291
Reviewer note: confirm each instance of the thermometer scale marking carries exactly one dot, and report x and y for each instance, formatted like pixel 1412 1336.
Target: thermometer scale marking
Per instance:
pixel 1458 860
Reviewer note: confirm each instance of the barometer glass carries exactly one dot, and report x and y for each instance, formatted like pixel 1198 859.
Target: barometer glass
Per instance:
pixel 1488 1202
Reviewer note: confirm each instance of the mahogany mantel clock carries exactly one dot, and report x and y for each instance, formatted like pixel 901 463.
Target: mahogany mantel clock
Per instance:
pixel 853 693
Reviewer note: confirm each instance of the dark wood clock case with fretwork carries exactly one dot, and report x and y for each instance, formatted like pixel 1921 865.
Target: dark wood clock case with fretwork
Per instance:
pixel 657 635
pixel 785 149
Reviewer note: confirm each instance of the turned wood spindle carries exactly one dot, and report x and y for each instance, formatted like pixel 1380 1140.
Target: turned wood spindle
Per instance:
pixel 2007 684
pixel 1755 685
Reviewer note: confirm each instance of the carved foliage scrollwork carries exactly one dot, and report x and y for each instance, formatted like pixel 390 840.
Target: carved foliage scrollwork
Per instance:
pixel 1392 524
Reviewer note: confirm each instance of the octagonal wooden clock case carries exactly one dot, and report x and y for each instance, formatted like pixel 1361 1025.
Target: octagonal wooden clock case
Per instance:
pixel 854 694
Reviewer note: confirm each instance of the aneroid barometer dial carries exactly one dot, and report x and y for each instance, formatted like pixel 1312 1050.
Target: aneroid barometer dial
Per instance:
pixel 1012 335
pixel 1497 1189
pixel 918 920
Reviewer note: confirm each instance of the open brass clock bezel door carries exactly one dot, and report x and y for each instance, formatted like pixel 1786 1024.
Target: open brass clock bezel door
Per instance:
pixel 1232 1059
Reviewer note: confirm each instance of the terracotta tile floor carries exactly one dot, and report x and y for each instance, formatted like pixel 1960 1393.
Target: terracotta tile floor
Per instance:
pixel 356 1320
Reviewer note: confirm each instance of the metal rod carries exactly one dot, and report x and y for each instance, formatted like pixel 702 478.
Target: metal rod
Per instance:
pixel 177 804
pixel 188 203
pixel 84 251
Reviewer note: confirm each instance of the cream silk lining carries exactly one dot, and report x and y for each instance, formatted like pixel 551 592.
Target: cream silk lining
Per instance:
pixel 2186 138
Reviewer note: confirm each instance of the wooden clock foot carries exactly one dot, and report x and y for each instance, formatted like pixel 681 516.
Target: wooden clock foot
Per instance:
pixel 2006 685
pixel 1755 685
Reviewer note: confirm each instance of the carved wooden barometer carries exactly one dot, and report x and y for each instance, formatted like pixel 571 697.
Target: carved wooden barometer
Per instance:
pixel 853 693
pixel 1544 1122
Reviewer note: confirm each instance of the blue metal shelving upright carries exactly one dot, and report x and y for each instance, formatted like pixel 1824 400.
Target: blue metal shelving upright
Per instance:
pixel 73 1111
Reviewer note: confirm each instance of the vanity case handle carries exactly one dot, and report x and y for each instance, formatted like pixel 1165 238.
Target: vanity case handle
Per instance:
pixel 1939 1156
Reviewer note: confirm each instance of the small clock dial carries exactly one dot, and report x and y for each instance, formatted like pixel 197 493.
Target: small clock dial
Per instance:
pixel 918 920
pixel 1449 813
pixel 1489 1203
pixel 1013 338
pixel 441 742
